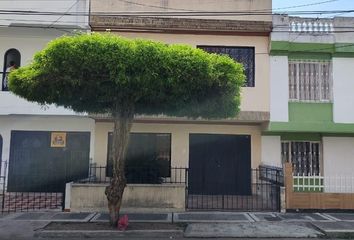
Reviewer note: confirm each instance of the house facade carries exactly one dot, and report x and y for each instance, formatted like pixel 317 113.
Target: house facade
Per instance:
pixel 31 164
pixel 295 114
pixel 311 123
pixel 213 158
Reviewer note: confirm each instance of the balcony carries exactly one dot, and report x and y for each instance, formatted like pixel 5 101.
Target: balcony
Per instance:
pixel 311 25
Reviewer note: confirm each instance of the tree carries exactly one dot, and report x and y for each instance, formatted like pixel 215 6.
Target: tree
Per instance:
pixel 104 73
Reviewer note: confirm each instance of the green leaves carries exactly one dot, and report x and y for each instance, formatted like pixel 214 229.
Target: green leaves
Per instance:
pixel 94 73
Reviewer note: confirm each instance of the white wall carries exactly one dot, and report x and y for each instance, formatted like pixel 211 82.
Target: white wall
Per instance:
pixel 338 161
pixel 279 88
pixel 11 104
pixel 27 42
pixel 271 151
pixel 57 8
pixel 44 123
pixel 343 90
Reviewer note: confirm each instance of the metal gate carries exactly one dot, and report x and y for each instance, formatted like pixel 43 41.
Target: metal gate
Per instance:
pixel 264 194
pixel 37 173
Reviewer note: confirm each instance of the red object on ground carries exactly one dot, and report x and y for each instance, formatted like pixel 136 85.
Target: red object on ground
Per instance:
pixel 123 223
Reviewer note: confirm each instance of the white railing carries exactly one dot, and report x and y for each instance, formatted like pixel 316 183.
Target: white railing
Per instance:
pixel 303 183
pixel 311 25
pixel 328 184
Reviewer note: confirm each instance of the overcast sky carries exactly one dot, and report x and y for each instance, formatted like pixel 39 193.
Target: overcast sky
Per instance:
pixel 318 5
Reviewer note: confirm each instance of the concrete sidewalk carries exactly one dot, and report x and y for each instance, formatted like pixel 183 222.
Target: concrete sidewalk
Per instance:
pixel 200 224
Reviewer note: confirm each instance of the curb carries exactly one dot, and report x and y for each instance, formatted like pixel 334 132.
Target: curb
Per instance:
pixel 107 234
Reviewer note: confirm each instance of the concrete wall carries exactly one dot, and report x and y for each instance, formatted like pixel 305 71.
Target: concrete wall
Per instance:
pixel 137 197
pixel 253 98
pixel 179 139
pixel 343 85
pixel 338 156
pixel 279 89
pixel 44 123
pixel 164 6
pixel 58 7
pixel 27 41
pixel 271 151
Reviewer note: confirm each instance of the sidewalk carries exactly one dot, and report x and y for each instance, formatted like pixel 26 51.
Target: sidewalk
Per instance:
pixel 198 224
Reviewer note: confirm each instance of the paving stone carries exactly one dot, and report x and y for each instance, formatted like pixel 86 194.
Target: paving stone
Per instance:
pixel 336 229
pixel 342 216
pixel 265 217
pixel 211 217
pixel 71 216
pixel 250 230
pixel 155 217
pixel 30 216
pixel 300 217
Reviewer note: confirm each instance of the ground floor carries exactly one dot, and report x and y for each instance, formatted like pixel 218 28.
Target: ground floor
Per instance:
pixel 318 168
pixel 65 162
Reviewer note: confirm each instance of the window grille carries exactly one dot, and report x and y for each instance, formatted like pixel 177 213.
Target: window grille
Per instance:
pixel 304 156
pixel 310 81
pixel 243 55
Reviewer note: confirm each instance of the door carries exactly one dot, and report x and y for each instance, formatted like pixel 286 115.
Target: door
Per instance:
pixel 219 164
pixel 36 166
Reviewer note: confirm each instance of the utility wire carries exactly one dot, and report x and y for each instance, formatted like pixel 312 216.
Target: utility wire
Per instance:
pixel 151 13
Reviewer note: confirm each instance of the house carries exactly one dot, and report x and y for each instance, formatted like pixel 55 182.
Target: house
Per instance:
pixel 216 160
pixel 33 168
pixel 311 127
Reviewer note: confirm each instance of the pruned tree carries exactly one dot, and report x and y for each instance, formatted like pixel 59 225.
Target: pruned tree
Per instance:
pixel 104 73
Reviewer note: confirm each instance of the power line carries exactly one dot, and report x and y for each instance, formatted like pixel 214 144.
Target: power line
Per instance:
pixel 139 13
pixel 306 5
pixel 63 15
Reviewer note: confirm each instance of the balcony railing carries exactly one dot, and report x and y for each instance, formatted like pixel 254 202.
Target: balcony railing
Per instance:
pixel 311 25
pixel 3 86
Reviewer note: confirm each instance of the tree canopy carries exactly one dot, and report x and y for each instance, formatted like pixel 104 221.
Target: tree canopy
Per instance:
pixel 99 72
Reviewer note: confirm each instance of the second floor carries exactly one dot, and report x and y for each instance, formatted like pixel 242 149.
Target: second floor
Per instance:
pixel 311 72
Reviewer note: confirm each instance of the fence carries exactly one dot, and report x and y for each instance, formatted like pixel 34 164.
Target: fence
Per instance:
pixel 272 174
pixel 138 175
pixel 311 25
pixel 258 192
pixel 307 198
pixel 14 201
pixel 329 184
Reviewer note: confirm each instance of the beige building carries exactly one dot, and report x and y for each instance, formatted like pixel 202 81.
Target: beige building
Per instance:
pixel 219 155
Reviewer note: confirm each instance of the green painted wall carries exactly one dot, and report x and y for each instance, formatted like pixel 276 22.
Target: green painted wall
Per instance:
pixel 311 127
pixel 314 51
pixel 310 112
pixel 309 121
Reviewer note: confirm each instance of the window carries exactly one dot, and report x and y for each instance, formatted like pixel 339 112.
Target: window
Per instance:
pixel 146 152
pixel 304 156
pixel 244 55
pixel 12 60
pixel 310 81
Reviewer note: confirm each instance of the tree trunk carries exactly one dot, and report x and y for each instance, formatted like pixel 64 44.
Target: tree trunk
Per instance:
pixel 123 118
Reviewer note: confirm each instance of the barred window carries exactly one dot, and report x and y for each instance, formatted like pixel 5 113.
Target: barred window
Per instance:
pixel 243 55
pixel 304 156
pixel 310 81
pixel 145 150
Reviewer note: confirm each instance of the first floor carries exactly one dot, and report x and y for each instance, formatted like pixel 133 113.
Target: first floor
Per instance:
pixel 318 168
pixel 170 165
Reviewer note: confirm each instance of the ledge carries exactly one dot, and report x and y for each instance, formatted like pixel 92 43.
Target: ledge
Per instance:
pixel 180 25
pixel 244 117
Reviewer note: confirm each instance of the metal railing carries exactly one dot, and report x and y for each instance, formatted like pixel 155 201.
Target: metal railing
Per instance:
pixel 257 191
pixel 3 86
pixel 138 175
pixel 272 174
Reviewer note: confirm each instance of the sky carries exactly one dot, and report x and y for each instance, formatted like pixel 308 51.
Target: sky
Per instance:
pixel 318 5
